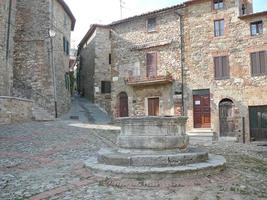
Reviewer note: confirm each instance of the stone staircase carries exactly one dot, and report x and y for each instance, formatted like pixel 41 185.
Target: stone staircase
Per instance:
pixel 38 111
pixel 201 136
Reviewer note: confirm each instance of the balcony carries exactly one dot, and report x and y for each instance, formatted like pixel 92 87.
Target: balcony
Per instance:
pixel 146 81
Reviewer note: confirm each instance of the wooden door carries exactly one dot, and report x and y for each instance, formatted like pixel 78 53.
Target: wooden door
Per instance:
pixel 201 111
pixel 153 106
pixel 227 126
pixel 123 105
pixel 151 62
pixel 258 122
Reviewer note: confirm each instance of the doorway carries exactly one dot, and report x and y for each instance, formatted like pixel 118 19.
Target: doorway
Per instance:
pixel 226 118
pixel 153 106
pixel 123 104
pixel 258 122
pixel 201 108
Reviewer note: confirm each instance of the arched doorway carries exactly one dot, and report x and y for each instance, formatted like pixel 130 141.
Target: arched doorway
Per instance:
pixel 123 104
pixel 226 116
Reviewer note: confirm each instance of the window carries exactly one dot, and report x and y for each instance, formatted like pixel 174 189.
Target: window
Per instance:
pixel 221 67
pixel 218 28
pixel 256 28
pixel 66 46
pixel 217 4
pixel 151 24
pixel 109 59
pixel 258 63
pixel 105 87
pixel 151 63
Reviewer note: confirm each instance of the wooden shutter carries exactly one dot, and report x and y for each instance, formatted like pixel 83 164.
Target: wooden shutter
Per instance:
pixel 254 67
pixel 225 67
pixel 262 61
pixel 151 64
pixel 216 67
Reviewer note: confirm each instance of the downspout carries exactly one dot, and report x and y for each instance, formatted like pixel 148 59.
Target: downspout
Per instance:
pixel 182 60
pixel 7 45
pixel 8 29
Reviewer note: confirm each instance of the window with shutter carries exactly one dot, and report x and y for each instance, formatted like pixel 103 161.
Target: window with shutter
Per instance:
pixel 258 63
pixel 221 67
pixel 151 60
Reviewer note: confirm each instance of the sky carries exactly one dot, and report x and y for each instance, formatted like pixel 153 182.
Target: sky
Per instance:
pixel 89 12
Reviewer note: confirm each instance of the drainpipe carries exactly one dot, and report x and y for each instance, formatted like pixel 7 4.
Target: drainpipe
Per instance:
pixel 7 43
pixel 182 59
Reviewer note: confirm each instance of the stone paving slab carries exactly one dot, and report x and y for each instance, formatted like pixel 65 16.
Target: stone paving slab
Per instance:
pixel 45 160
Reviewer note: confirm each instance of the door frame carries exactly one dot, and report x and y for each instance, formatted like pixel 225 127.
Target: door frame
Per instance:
pixel 220 124
pixel 146 104
pixel 250 124
pixel 119 104
pixel 201 92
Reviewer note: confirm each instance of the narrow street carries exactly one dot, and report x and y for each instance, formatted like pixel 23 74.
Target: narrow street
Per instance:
pixel 44 160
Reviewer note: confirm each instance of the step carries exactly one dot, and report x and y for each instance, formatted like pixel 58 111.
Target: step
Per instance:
pixel 203 137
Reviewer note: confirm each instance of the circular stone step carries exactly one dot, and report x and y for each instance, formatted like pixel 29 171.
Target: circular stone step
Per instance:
pixel 152 158
pixel 214 164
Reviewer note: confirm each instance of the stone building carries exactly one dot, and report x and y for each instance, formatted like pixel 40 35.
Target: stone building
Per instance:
pixel 39 55
pixel 205 59
pixel 7 31
pixel 95 66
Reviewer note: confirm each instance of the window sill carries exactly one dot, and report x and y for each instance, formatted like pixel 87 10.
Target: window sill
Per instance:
pixel 256 36
pixel 257 75
pixel 222 78
pixel 152 31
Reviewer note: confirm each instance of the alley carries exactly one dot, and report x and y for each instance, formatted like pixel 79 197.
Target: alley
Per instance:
pixel 44 160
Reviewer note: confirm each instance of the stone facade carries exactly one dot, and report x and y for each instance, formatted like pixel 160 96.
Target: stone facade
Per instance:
pixel 7 31
pixel 33 70
pixel 201 46
pixel 95 69
pixel 186 48
pixel 36 62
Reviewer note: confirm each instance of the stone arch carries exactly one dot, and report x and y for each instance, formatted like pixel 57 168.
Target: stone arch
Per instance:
pixel 226 118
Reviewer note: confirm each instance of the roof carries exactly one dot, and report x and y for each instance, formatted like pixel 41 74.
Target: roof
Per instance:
pixel 68 11
pixel 94 26
pixel 253 15
pixel 148 14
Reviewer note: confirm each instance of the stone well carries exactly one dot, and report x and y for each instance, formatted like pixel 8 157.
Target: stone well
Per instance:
pixel 153 147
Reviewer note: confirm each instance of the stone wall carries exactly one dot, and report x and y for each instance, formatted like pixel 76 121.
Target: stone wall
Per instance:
pixel 130 43
pixel 33 74
pixel 201 46
pixel 95 69
pixel 102 67
pixel 14 110
pixel 7 31
pixel 87 70
pixel 61 23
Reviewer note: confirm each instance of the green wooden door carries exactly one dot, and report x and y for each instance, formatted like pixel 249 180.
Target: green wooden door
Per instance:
pixel 258 122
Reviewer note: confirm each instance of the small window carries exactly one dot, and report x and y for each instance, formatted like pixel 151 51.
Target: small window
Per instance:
pixel 109 59
pixel 256 28
pixel 218 28
pixel 258 63
pixel 217 4
pixel 105 87
pixel 221 67
pixel 151 24
pixel 66 47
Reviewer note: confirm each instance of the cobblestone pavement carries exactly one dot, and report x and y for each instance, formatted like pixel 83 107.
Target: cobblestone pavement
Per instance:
pixel 44 160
